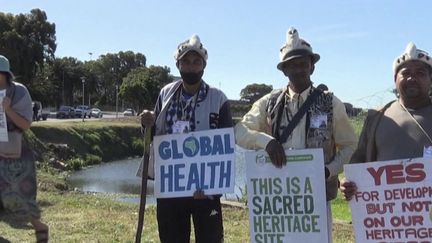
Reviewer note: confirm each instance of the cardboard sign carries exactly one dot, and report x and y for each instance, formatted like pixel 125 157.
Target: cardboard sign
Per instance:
pixel 393 202
pixel 287 204
pixel 197 160
pixel 3 123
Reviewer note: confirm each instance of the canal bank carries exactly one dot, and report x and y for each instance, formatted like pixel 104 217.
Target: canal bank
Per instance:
pixel 73 145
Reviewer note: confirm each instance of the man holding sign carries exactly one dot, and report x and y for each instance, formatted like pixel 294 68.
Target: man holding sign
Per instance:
pixel 183 106
pixel 403 128
pixel 300 116
pixel 392 198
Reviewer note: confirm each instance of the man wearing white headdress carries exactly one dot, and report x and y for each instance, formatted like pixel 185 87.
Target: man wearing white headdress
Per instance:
pixel 273 124
pixel 189 104
pixel 402 128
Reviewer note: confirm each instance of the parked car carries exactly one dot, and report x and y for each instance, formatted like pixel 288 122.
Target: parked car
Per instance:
pixel 129 112
pixel 41 114
pixel 65 112
pixel 82 110
pixel 95 112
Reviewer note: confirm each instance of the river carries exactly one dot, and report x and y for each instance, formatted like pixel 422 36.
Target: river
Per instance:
pixel 120 177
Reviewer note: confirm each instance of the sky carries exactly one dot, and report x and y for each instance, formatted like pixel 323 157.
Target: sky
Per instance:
pixel 356 39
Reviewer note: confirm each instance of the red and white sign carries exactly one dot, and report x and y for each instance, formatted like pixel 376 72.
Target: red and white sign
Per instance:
pixel 393 202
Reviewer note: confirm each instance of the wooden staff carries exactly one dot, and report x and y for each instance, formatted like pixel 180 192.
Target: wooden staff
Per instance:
pixel 147 141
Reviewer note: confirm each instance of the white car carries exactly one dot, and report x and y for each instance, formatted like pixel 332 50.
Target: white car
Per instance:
pixel 95 112
pixel 129 112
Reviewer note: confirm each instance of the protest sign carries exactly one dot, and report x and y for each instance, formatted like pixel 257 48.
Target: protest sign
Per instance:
pixel 287 204
pixel 3 123
pixel 196 160
pixel 393 200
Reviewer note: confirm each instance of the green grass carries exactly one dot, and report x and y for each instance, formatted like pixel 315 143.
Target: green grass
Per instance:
pixel 341 210
pixel 87 217
pixel 77 217
pixel 357 122
pixel 340 207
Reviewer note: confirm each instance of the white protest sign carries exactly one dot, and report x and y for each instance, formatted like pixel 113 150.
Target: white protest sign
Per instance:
pixel 393 201
pixel 196 160
pixel 3 123
pixel 287 204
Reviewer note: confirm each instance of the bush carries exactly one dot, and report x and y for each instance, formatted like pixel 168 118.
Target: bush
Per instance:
pixel 91 159
pixel 75 163
pixel 138 146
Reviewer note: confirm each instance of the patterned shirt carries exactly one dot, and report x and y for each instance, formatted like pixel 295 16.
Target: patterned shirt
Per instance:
pixel 254 131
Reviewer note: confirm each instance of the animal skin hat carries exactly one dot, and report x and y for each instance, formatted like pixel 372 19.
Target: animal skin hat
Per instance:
pixel 411 54
pixel 192 44
pixel 294 48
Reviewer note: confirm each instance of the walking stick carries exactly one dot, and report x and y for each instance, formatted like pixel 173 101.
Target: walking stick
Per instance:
pixel 147 140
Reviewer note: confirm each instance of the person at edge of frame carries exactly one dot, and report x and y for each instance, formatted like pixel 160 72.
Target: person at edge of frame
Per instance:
pixel 402 129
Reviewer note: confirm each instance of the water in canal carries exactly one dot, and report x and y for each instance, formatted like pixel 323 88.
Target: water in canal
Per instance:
pixel 119 177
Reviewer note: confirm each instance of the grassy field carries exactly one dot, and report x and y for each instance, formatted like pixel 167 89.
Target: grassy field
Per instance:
pixel 87 217
pixel 77 217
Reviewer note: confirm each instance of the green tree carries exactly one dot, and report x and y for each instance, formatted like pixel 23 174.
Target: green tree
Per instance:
pixel 43 87
pixel 141 86
pixel 66 76
pixel 27 40
pixel 91 83
pixel 109 71
pixel 254 92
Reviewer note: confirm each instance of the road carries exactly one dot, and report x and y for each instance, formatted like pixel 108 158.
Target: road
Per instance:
pixel 51 117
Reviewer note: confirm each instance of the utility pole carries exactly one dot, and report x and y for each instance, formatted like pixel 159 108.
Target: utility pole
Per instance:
pixel 63 89
pixel 91 54
pixel 116 100
pixel 82 108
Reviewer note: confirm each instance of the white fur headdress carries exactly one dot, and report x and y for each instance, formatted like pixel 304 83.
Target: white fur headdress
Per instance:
pixel 192 44
pixel 295 47
pixel 411 54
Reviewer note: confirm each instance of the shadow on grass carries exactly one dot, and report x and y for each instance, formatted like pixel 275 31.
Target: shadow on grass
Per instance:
pixel 3 240
pixel 12 222
pixel 44 203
